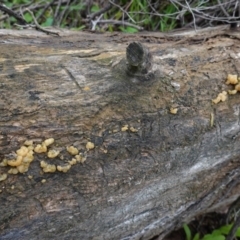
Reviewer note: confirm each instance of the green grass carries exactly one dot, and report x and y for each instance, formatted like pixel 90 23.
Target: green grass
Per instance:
pixel 217 234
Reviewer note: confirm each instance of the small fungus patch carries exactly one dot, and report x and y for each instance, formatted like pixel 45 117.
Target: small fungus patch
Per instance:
pixel 4 163
pixel 53 153
pixel 3 177
pixel 13 171
pixel 132 129
pixel 221 97
pixel 48 142
pixel 173 110
pixel 232 92
pixel 28 143
pixel 72 150
pixel 80 158
pixel 90 145
pixel 237 87
pixel 64 168
pixel 48 168
pixel 40 148
pixel 43 180
pixel 22 158
pixel 73 161
pixel 233 80
pixel 124 128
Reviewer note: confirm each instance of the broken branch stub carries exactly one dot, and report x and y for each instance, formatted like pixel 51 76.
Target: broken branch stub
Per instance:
pixel 139 61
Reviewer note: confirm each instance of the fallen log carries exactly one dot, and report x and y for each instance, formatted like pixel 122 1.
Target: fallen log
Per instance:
pixel 153 150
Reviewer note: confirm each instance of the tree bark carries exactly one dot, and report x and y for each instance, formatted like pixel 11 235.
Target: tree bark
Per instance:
pixel 150 170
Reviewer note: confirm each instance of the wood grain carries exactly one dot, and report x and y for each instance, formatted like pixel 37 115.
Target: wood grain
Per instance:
pixel 142 181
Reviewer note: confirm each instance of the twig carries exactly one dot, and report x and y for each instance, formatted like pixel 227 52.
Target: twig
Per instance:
pixel 194 20
pixel 45 9
pixel 61 15
pixel 94 23
pixel 224 11
pixel 113 3
pixel 12 13
pixel 100 12
pixel 115 22
pixel 56 11
pixel 38 27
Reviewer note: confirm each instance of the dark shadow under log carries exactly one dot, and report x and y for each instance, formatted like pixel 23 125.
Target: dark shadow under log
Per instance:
pixel 150 170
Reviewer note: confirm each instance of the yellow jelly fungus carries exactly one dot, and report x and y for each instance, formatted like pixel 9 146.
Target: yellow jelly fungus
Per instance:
pixel 73 161
pixel 22 168
pixel 132 129
pixel 72 150
pixel 4 163
pixel 89 145
pixel 40 148
pixel 48 141
pixel 24 156
pixel 105 150
pixel 173 110
pixel 13 171
pixel 3 177
pixel 15 162
pixel 28 143
pixel 64 168
pixel 28 159
pixel 221 97
pixel 232 92
pixel 232 79
pixel 78 158
pixel 124 128
pixel 48 168
pixel 53 153
pixel 22 151
pixel 31 147
pixel 83 159
pixel 43 164
pixel 237 87
pixel 86 88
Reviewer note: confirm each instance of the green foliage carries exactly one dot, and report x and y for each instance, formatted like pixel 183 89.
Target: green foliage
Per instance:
pixel 48 22
pixel 217 234
pixel 134 12
pixel 168 23
pixel 10 4
pixel 128 29
pixel 187 232
pixel 28 17
pixel 95 8
pixel 76 7
pixel 151 15
pixel 197 236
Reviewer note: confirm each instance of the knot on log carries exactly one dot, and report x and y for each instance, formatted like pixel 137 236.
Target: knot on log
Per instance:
pixel 139 61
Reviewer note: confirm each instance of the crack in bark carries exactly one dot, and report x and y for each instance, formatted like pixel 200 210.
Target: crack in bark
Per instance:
pixel 72 77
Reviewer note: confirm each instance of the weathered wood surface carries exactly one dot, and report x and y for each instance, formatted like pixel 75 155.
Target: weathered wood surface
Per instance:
pixel 133 185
